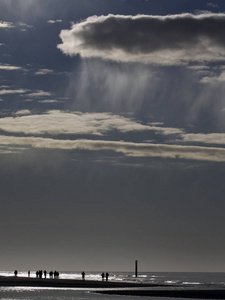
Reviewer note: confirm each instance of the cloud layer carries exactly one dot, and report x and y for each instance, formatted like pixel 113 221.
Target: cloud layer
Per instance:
pixel 36 131
pixel 57 122
pixel 9 67
pixel 9 144
pixel 4 24
pixel 171 39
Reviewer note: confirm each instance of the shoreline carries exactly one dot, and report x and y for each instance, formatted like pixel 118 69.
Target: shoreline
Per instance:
pixel 117 288
pixel 171 293
pixel 70 283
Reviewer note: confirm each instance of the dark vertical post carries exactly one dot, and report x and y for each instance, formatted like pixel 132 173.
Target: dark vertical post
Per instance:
pixel 136 268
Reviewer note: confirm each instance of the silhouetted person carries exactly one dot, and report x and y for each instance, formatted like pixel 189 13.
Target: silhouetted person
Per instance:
pixel 83 275
pixel 28 273
pixel 50 274
pixel 37 274
pixel 16 272
pixel 106 276
pixel 103 276
pixel 56 274
pixel 45 273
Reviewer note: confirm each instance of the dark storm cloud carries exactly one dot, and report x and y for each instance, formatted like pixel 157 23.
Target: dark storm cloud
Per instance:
pixel 154 39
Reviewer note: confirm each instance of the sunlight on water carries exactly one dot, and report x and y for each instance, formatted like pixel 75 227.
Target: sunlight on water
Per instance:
pixel 195 283
pixel 179 279
pixel 63 275
pixel 63 294
pixel 144 277
pixel 27 293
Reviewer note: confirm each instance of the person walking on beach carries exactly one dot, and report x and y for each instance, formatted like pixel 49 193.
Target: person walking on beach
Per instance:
pixel 103 276
pixel 16 272
pixel 83 275
pixel 45 273
pixel 106 276
pixel 29 273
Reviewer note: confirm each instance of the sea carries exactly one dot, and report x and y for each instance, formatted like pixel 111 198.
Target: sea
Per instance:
pixel 181 279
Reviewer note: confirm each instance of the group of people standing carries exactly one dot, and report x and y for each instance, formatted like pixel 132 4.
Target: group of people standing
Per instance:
pixel 40 273
pixel 105 276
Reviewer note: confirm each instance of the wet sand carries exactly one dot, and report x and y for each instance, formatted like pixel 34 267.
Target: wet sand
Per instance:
pixel 174 293
pixel 118 288
pixel 70 283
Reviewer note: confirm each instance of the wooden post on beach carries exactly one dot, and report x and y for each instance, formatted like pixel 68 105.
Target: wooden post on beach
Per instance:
pixel 136 268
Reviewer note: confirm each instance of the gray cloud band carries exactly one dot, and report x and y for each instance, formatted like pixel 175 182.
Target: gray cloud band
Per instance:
pixel 98 124
pixel 171 39
pixel 127 148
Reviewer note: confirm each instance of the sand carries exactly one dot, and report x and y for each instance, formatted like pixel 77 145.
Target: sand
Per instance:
pixel 175 293
pixel 57 282
pixel 118 288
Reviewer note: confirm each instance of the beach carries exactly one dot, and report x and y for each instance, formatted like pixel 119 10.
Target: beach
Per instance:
pixel 65 283
pixel 118 288
pixel 189 293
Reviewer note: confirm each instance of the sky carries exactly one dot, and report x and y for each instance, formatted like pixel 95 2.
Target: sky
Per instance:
pixel 112 135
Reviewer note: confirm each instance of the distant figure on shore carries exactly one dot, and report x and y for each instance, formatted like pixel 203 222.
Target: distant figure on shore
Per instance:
pixel 103 276
pixel 16 272
pixel 45 273
pixel 56 274
pixel 29 273
pixel 51 274
pixel 39 274
pixel 106 276
pixel 83 275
